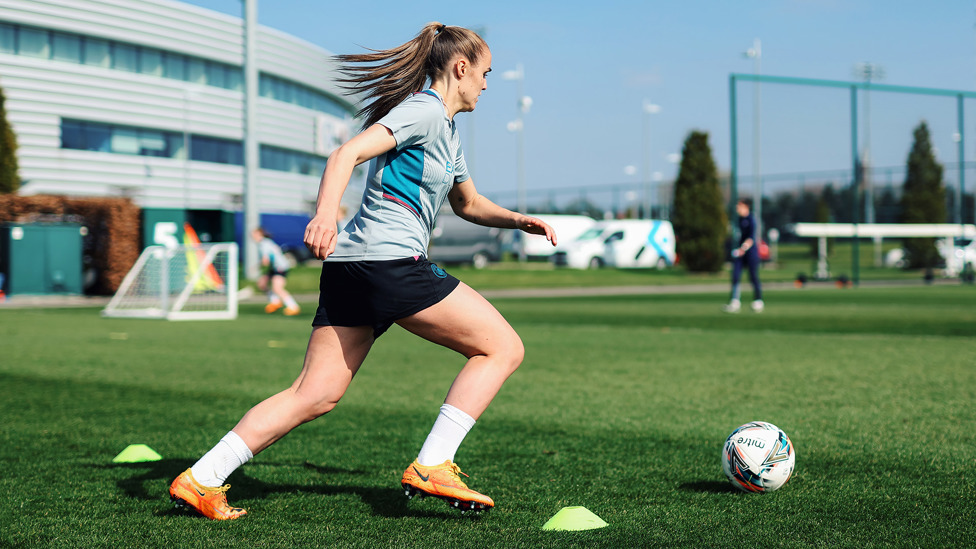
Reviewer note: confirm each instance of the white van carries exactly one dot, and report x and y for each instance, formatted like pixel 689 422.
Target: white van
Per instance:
pixel 628 243
pixel 567 227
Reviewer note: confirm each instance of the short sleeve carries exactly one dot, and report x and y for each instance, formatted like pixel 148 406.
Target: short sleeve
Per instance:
pixel 264 249
pixel 460 167
pixel 414 120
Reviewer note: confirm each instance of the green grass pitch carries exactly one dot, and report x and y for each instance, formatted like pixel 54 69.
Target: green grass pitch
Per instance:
pixel 621 406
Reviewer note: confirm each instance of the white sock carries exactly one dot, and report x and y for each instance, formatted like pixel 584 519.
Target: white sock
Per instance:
pixel 291 303
pixel 217 464
pixel 273 298
pixel 445 437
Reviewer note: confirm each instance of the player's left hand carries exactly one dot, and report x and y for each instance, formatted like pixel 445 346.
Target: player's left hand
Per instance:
pixel 534 225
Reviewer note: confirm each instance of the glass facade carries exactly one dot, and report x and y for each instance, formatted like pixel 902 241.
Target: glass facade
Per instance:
pixel 112 138
pixel 284 160
pixel 89 50
pixel 287 91
pixel 67 47
pixel 41 43
pixel 96 136
pixel 8 38
pixel 96 52
pixel 33 42
pixel 215 149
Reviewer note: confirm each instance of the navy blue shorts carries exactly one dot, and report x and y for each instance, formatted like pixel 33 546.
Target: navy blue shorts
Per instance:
pixel 378 293
pixel 272 272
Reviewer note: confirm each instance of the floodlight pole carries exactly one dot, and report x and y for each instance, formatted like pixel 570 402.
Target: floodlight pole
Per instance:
pixel 855 191
pixel 518 126
pixel 869 72
pixel 251 214
pixel 755 52
pixel 961 158
pixel 734 165
pixel 648 109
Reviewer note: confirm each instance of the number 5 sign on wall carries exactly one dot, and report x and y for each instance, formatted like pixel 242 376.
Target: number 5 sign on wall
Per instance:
pixel 165 233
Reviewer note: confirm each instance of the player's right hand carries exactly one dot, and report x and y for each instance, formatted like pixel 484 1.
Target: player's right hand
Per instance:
pixel 320 236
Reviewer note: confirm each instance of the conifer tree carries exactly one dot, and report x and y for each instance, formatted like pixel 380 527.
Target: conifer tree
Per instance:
pixel 699 218
pixel 9 180
pixel 923 198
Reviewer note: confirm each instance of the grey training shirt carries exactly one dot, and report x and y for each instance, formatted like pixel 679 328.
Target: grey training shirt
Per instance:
pixel 407 185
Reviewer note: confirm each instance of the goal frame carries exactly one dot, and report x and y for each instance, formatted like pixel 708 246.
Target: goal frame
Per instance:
pixel 959 95
pixel 170 305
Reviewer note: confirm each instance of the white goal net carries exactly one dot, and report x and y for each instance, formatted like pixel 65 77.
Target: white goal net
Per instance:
pixel 180 283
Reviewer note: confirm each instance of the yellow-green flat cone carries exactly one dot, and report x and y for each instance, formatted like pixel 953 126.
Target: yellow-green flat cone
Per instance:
pixel 137 453
pixel 574 518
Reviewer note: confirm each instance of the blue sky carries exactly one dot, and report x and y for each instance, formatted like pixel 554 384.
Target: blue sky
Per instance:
pixel 589 67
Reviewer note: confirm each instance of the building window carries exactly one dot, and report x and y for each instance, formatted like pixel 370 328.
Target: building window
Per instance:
pixel 151 61
pixel 34 42
pixel 195 71
pixel 8 38
pixel 64 46
pixel 284 160
pixel 67 47
pixel 216 75
pixel 125 57
pixel 154 143
pixel 125 140
pixel 75 48
pixel 280 89
pixel 73 135
pixel 174 66
pixel 235 78
pixel 215 149
pixel 76 134
pixel 175 145
pixel 96 52
pixel 96 136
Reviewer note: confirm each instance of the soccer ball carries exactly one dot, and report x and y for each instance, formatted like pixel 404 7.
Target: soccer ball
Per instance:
pixel 758 457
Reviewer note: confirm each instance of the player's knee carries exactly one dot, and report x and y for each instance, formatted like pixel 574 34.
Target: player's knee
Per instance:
pixel 312 408
pixel 512 353
pixel 319 409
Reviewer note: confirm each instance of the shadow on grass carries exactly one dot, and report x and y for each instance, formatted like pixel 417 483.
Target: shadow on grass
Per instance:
pixel 708 486
pixel 385 502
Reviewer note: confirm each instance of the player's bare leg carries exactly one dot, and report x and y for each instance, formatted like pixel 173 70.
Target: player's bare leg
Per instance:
pixel 468 324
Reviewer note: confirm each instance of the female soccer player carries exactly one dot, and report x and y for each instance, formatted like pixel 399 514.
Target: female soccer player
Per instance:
pixel 273 281
pixel 375 271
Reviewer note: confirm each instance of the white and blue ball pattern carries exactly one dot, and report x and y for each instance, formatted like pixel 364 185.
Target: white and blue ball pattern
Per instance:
pixel 758 457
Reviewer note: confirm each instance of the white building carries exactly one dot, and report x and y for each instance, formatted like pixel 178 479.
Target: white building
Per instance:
pixel 145 99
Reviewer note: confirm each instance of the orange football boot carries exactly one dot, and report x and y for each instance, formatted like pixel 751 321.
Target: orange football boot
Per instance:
pixel 292 311
pixel 209 502
pixel 442 481
pixel 272 307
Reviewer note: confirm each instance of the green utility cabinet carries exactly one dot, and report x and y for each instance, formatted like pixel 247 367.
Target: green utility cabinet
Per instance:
pixel 41 258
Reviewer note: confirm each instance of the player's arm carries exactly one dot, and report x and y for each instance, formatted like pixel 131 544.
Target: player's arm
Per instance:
pixel 743 248
pixel 473 207
pixel 321 232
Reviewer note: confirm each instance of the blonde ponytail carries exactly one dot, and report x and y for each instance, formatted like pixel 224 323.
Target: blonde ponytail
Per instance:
pixel 387 77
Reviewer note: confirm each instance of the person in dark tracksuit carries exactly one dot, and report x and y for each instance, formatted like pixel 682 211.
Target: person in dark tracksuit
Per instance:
pixel 746 254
